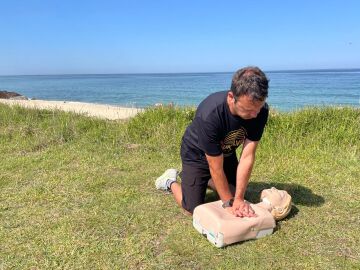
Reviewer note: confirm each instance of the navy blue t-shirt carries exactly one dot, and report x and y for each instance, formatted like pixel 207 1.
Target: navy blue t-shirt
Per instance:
pixel 215 131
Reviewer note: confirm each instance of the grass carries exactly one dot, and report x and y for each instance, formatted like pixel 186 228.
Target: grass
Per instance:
pixel 78 193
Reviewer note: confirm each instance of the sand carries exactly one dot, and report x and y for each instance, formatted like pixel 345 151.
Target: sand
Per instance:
pixel 88 109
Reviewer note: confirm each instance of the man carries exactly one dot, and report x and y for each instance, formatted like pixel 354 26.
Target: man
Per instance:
pixel 223 121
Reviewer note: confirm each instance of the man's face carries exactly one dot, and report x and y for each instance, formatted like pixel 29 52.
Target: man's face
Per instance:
pixel 244 106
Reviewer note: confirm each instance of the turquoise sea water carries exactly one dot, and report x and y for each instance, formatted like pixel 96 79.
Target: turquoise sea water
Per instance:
pixel 289 90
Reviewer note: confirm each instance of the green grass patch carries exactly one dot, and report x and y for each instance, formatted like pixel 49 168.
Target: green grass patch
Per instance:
pixel 78 193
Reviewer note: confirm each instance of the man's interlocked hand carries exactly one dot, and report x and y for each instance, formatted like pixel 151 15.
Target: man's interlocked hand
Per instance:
pixel 241 208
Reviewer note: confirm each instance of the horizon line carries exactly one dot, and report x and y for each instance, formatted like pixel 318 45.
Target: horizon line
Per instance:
pixel 199 72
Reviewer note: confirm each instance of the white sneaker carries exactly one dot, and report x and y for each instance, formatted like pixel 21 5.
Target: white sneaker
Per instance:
pixel 164 181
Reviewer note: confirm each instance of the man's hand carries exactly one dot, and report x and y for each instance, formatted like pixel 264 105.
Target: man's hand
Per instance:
pixel 241 208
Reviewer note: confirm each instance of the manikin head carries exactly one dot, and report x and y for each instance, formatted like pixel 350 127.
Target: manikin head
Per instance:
pixel 279 201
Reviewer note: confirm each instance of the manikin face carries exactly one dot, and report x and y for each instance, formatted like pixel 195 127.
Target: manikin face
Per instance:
pixel 244 106
pixel 279 200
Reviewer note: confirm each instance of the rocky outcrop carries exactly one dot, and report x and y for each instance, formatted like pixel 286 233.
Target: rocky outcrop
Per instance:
pixel 12 95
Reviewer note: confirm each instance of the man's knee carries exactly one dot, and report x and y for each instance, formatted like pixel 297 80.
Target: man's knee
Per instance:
pixel 189 202
pixel 187 211
pixel 193 185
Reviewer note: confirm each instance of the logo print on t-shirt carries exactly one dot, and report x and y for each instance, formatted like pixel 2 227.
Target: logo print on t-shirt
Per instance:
pixel 232 140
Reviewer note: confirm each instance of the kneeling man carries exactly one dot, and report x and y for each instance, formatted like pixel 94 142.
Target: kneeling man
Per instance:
pixel 223 121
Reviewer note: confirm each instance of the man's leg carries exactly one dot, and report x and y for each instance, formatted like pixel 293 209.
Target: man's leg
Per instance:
pixel 193 186
pixel 177 193
pixel 167 182
pixel 191 192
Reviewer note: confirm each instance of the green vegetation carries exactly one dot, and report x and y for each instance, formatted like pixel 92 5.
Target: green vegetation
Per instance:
pixel 78 193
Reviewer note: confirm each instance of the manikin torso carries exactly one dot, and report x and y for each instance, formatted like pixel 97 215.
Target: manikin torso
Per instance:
pixel 222 228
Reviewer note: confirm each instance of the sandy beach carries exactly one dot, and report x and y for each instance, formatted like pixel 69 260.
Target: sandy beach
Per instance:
pixel 89 109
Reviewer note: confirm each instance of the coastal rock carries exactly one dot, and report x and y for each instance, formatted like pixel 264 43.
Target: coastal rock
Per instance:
pixel 12 95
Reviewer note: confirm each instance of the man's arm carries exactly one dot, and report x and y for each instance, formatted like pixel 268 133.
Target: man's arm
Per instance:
pixel 218 176
pixel 247 160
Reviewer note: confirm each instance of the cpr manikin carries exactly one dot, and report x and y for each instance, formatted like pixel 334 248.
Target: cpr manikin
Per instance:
pixel 222 228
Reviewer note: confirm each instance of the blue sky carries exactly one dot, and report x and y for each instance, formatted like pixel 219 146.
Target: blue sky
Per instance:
pixel 58 37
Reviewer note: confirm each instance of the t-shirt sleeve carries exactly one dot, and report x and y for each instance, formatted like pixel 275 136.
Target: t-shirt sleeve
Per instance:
pixel 208 136
pixel 257 125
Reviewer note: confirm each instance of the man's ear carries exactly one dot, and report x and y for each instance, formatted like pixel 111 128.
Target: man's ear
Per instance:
pixel 231 97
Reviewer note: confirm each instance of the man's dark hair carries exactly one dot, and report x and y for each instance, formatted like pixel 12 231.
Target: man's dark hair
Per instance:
pixel 250 81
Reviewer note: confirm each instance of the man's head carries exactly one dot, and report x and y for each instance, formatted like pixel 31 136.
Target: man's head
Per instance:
pixel 248 92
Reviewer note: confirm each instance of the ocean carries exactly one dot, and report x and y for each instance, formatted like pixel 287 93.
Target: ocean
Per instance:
pixel 289 90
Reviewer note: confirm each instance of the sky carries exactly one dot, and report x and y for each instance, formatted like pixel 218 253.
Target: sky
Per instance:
pixel 138 36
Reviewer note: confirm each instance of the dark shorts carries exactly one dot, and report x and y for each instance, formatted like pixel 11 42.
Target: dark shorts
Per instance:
pixel 194 182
